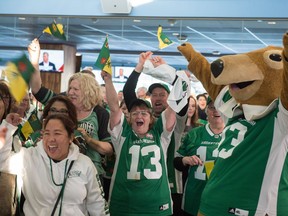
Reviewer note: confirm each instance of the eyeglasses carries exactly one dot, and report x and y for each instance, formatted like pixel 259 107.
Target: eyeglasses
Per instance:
pixel 61 111
pixel 143 113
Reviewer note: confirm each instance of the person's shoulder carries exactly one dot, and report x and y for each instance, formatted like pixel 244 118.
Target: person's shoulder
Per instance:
pixel 41 63
pixel 100 110
pixel 197 129
pixel 51 64
pixel 84 161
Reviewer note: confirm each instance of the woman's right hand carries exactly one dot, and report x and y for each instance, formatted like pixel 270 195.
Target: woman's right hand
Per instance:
pixel 105 76
pixel 193 160
pixel 34 51
pixel 14 119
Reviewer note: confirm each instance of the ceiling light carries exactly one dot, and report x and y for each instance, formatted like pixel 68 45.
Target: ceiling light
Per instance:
pixel 172 22
pixel 271 23
pixel 216 52
pixel 175 34
pixel 21 18
pixel 94 20
pixel 182 38
pixel 135 20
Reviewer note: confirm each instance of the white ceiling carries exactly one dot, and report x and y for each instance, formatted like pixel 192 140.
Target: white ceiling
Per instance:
pixel 129 37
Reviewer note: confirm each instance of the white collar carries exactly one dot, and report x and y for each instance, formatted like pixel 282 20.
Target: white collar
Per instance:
pixel 251 112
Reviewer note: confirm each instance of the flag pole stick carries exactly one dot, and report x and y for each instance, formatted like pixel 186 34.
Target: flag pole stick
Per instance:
pixel 39 36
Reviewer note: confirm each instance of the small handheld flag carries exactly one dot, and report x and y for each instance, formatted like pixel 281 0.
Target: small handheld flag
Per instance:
pixel 164 41
pixel 56 30
pixel 18 73
pixel 32 125
pixel 103 61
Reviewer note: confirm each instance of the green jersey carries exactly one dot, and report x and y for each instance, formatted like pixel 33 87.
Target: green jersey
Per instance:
pixel 139 184
pixel 90 125
pixel 250 173
pixel 200 141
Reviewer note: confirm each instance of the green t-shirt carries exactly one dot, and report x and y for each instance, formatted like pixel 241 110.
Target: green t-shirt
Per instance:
pixel 200 141
pixel 139 183
pixel 90 125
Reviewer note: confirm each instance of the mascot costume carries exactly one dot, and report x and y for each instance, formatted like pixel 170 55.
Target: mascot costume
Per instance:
pixel 250 176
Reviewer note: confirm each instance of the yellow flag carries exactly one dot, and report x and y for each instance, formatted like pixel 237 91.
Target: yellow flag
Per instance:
pixel 56 30
pixel 164 41
pixel 208 167
pixel 18 73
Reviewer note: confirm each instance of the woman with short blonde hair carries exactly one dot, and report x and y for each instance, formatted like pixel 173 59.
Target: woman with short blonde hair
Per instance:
pixel 91 92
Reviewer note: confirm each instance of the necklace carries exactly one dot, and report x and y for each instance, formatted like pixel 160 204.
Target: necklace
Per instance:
pixel 51 169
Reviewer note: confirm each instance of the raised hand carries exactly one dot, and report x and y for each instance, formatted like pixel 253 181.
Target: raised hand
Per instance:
pixel 34 51
pixel 105 76
pixel 157 60
pixel 14 119
pixel 142 58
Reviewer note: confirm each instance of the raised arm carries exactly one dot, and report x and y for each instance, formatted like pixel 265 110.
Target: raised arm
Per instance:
pixel 130 86
pixel 170 116
pixel 112 99
pixel 34 54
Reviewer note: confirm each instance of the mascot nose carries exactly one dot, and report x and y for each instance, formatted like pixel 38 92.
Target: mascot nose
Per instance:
pixel 217 67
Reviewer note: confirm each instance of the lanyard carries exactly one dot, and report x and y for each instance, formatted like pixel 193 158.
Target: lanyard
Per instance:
pixel 61 194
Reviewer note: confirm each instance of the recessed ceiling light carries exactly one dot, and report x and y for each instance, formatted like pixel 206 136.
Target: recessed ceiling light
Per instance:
pixel 135 20
pixel 21 18
pixel 271 23
pixel 216 52
pixel 182 37
pixel 175 33
pixel 172 22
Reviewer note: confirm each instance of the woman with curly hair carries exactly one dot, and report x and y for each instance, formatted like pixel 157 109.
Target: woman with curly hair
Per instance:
pixel 84 92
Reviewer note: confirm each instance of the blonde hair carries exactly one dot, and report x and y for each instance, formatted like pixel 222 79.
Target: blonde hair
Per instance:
pixel 90 90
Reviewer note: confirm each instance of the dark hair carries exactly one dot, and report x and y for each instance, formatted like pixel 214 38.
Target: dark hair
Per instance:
pixel 69 105
pixel 67 122
pixel 195 117
pixel 122 103
pixel 201 95
pixel 4 91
